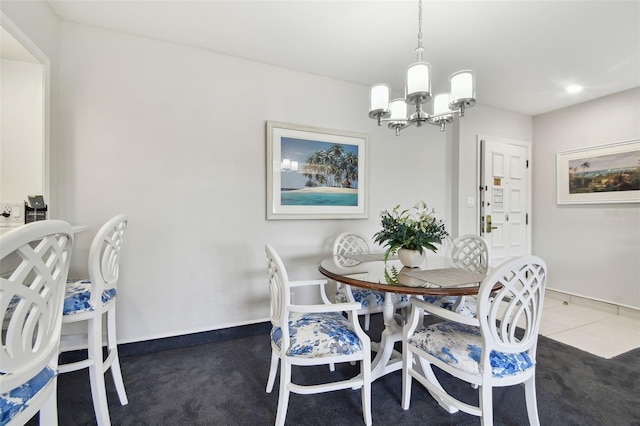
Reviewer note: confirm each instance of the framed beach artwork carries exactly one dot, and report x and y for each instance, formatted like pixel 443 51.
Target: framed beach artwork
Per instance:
pixel 600 174
pixel 315 173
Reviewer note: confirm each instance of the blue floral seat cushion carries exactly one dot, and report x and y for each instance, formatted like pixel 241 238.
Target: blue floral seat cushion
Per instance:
pixel 319 334
pixel 78 294
pixel 366 297
pixel 467 308
pixel 460 345
pixel 16 400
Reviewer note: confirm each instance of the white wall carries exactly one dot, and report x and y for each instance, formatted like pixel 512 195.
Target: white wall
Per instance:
pixel 21 132
pixel 175 137
pixel 591 250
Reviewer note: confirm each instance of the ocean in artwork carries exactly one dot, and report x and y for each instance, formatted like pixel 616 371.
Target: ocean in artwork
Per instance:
pixel 295 198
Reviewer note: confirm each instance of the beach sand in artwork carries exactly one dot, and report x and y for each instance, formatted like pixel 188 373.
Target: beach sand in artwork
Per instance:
pixel 327 190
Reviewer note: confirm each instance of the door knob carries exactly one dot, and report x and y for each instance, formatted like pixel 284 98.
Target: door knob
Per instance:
pixel 489 227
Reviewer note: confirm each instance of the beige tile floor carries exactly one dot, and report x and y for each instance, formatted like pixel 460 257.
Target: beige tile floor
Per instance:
pixel 591 327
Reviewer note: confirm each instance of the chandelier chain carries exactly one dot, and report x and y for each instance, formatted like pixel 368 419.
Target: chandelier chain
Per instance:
pixel 420 24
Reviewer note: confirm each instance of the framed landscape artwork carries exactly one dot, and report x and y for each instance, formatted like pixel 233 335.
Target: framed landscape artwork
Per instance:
pixel 600 174
pixel 315 173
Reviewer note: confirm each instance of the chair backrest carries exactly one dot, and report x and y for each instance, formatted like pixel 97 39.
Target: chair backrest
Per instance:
pixel 471 253
pixel 510 317
pixel 34 260
pixel 350 243
pixel 278 286
pixel 104 256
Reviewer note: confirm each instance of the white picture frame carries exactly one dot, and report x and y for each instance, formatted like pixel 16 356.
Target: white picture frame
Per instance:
pixel 599 174
pixel 315 173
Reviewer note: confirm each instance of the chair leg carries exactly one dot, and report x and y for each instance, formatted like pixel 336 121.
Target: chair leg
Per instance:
pixel 272 370
pixel 49 412
pixel 458 305
pixel 96 371
pixel 283 397
pixel 486 405
pixel 532 405
pixel 365 370
pixel 112 348
pixel 406 377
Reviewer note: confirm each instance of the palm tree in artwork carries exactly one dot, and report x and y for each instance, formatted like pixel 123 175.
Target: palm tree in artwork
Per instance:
pixel 335 154
pixel 349 166
pixel 316 168
pixel 584 166
pixel 572 173
pixel 332 167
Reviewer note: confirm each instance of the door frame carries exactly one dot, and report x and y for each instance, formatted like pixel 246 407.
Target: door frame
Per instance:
pixel 529 176
pixel 14 30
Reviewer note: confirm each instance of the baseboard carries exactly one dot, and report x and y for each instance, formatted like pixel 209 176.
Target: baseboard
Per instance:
pixel 178 342
pixel 622 310
pixel 194 339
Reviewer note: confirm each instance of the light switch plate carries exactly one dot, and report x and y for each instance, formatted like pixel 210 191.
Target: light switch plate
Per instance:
pixel 14 211
pixel 471 202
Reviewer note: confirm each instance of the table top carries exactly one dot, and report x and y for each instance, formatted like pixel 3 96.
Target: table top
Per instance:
pixel 372 272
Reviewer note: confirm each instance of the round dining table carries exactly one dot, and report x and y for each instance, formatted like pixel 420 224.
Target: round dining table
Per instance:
pixel 371 271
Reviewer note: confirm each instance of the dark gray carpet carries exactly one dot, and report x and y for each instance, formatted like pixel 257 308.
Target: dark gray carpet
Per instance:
pixel 223 383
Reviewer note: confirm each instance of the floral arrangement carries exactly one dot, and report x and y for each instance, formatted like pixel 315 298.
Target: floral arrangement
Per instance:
pixel 415 228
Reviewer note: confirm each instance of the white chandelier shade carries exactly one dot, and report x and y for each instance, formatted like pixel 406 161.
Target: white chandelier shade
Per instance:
pixel 418 82
pixel 379 99
pixel 398 108
pixel 445 107
pixel 441 107
pixel 463 88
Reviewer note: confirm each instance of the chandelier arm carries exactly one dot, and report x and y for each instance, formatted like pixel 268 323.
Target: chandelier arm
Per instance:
pixel 432 117
pixel 445 114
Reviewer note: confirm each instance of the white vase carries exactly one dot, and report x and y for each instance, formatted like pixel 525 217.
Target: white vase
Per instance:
pixel 410 258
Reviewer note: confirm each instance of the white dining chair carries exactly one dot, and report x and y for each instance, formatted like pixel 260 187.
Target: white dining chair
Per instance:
pixel 34 261
pixel 371 301
pixel 309 335
pixel 86 302
pixel 470 253
pixel 496 348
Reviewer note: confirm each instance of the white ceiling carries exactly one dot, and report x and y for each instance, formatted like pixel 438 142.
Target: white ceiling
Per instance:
pixel 523 52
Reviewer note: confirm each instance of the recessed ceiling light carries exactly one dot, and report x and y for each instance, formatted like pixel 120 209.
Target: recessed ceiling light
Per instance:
pixel 573 88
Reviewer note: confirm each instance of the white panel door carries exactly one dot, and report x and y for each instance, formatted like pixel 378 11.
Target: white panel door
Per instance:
pixel 504 196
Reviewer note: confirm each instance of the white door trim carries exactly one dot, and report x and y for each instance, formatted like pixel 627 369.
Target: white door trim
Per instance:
pixel 33 48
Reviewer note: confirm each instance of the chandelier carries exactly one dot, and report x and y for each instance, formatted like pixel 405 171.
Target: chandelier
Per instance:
pixel 418 93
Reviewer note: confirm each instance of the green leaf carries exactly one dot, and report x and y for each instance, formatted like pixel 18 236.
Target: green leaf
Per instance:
pixel 414 228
